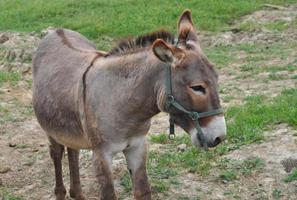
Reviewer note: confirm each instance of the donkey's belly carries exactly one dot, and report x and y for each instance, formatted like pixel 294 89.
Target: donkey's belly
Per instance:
pixel 77 141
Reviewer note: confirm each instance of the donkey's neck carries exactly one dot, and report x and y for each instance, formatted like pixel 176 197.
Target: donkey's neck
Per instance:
pixel 142 75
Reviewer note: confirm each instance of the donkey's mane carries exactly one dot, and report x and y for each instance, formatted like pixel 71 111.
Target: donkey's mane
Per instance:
pixel 131 45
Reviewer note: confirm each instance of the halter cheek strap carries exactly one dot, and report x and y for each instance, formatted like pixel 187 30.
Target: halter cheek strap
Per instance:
pixel 193 115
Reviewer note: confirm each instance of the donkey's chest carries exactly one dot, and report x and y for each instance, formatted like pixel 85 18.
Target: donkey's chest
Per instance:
pixel 119 146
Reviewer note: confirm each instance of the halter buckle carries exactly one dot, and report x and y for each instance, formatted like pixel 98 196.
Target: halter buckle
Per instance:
pixel 170 98
pixel 171 136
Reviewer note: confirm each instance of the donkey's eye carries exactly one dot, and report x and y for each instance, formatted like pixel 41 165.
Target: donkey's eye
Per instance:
pixel 198 89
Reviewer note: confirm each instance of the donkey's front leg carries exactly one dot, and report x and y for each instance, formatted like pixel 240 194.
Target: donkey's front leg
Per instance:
pixel 136 156
pixel 102 165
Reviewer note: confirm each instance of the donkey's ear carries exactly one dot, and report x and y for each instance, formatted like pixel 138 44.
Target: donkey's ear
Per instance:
pixel 186 29
pixel 185 21
pixel 163 51
pixel 167 53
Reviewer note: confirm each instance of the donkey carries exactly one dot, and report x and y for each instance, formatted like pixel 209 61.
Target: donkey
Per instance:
pixel 104 101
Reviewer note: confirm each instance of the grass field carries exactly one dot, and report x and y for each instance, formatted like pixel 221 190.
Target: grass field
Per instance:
pixel 116 18
pixel 247 122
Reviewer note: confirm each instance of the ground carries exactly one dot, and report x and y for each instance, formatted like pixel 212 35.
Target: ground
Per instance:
pixel 256 56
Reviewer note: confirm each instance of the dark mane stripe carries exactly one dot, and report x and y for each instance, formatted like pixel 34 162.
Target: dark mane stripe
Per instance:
pixel 131 45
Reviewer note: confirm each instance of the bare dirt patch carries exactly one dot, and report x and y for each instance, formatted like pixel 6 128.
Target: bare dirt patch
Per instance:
pixel 25 166
pixel 257 32
pixel 16 51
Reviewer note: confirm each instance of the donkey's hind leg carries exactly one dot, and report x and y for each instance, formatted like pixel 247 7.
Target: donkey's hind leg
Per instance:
pixel 75 188
pixel 56 153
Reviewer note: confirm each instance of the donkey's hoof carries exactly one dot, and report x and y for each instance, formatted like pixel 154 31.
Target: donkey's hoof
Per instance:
pixel 60 197
pixel 79 197
pixel 76 195
pixel 60 193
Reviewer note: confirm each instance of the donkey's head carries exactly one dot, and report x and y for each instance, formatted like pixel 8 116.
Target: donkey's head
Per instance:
pixel 194 83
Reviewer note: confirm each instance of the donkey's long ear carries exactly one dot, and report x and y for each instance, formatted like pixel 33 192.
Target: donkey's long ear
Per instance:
pixel 186 29
pixel 167 53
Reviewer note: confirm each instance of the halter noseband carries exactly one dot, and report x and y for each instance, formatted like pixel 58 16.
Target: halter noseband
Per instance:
pixel 193 115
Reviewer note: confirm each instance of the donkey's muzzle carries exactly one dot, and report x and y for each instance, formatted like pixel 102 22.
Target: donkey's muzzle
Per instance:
pixel 215 131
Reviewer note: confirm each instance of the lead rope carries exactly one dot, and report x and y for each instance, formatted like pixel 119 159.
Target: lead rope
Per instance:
pixel 171 129
pixel 169 99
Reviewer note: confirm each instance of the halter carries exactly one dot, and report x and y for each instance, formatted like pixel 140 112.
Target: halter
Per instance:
pixel 193 115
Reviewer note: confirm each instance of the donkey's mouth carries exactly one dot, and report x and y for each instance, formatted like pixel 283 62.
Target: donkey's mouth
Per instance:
pixel 198 143
pixel 195 139
pixel 214 133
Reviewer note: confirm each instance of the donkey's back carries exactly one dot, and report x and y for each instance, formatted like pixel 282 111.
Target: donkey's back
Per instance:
pixel 58 66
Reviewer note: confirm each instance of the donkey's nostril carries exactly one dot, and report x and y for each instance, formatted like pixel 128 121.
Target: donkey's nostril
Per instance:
pixel 217 141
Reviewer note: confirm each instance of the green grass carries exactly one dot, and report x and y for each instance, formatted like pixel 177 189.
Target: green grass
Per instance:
pixel 249 26
pixel 275 77
pixel 294 76
pixel 278 25
pixel 222 55
pixel 232 169
pixel 161 138
pixel 161 178
pixel 246 125
pixel 4 195
pixel 126 182
pixel 251 164
pixel 292 177
pixel 22 146
pixel 228 175
pixel 117 18
pixel 10 77
pixel 252 57
pixel 9 113
pixel 276 193
pixel 274 69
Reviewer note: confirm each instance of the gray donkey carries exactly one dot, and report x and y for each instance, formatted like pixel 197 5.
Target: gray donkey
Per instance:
pixel 88 99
